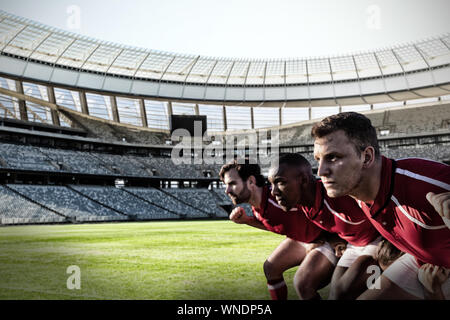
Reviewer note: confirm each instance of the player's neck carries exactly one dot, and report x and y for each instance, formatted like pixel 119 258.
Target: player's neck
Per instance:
pixel 309 194
pixel 370 184
pixel 255 198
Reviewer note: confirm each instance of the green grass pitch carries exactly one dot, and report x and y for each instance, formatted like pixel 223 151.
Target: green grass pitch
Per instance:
pixel 176 260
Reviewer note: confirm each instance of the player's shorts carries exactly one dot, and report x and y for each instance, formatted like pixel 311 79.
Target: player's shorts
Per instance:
pixel 328 252
pixel 352 252
pixel 404 273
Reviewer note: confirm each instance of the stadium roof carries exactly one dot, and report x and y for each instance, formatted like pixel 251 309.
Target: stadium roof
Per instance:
pixel 153 73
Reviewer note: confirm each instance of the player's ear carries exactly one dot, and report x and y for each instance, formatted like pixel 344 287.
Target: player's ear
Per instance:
pixel 251 180
pixel 369 156
pixel 302 176
pixel 303 179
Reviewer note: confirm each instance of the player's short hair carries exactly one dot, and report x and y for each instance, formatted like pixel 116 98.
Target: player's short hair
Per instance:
pixel 245 171
pixel 387 253
pixel 356 126
pixel 294 159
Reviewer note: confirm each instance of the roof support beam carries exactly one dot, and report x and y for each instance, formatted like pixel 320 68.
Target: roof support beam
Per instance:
pixel 59 57
pixel 382 75
pixel 143 112
pixel 196 109
pixel 245 82
pixel 22 105
pixel 84 62
pixel 309 90
pixel 426 62
pixel 226 81
pixel 164 72
pixel 280 114
pixel 114 109
pixel 332 81
pixel 109 67
pixel 284 82
pixel 192 64
pixel 34 50
pixel 224 115
pixel 137 70
pixel 359 79
pixel 83 102
pixel 52 99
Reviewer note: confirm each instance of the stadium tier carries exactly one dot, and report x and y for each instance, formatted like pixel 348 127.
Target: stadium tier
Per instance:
pixel 67 202
pixel 25 204
pixel 33 165
pixel 16 208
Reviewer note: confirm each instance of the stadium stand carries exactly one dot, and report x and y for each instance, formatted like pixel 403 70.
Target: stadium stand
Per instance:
pixel 124 202
pixel 419 131
pixel 15 208
pixel 174 204
pixel 75 161
pixel 122 164
pixel 419 119
pixel 25 157
pixel 199 198
pixel 399 121
pixel 221 196
pixel 17 156
pixel 439 152
pixel 68 203
pixel 109 131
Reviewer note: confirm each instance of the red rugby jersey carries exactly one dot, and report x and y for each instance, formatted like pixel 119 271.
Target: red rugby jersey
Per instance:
pixel 340 215
pixel 293 224
pixel 403 215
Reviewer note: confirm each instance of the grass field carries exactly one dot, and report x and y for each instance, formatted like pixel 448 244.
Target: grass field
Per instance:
pixel 173 260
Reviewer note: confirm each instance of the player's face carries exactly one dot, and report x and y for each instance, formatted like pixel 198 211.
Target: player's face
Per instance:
pixel 285 183
pixel 236 188
pixel 340 166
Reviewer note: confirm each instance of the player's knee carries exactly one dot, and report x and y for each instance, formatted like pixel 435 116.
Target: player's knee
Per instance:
pixel 268 269
pixel 271 270
pixel 304 286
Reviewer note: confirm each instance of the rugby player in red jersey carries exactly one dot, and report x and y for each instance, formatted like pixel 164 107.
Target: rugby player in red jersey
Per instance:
pixel 340 215
pixel 406 200
pixel 316 261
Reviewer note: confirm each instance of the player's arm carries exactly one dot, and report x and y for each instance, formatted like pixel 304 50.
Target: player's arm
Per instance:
pixel 432 277
pixel 239 216
pixel 441 203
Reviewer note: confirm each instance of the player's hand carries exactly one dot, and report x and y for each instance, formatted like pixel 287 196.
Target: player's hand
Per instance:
pixel 441 203
pixel 432 276
pixel 238 215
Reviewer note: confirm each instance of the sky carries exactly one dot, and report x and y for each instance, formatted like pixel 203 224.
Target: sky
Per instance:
pixel 260 29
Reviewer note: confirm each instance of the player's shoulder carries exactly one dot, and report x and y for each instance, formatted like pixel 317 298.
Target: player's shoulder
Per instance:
pixel 417 160
pixel 420 165
pixel 424 170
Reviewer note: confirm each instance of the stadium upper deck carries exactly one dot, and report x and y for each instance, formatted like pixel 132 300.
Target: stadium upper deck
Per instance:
pixel 35 51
